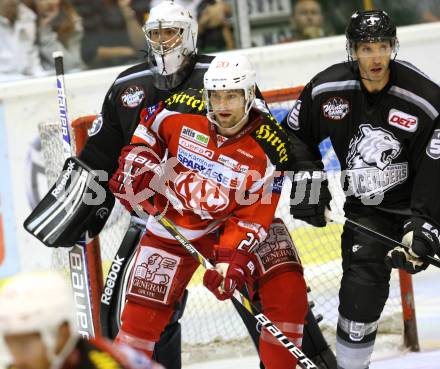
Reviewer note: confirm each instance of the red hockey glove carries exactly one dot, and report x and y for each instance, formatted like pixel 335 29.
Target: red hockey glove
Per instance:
pixel 232 270
pixel 137 167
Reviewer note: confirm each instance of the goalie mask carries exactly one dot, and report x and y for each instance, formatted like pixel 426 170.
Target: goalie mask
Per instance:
pixel 229 87
pixel 38 302
pixel 171 34
pixel 370 26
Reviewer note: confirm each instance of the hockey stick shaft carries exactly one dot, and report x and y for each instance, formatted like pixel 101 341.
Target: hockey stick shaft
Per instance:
pixel 77 255
pixel 171 228
pixel 372 233
pixel 62 104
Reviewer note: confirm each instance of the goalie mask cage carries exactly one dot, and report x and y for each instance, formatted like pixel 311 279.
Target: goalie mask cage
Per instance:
pixel 211 328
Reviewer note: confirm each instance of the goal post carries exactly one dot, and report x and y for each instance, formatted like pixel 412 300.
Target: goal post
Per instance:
pixel 319 249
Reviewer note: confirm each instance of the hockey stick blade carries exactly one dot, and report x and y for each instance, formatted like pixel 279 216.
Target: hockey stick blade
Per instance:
pixel 171 228
pixel 372 233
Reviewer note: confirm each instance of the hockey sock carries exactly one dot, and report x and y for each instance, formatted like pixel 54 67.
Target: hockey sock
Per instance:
pixel 354 343
pixel 284 301
pixel 142 326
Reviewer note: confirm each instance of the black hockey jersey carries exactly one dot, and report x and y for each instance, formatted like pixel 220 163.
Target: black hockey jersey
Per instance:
pixel 388 144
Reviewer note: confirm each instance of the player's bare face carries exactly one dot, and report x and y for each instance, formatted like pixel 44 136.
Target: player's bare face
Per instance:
pixel 228 107
pixel 28 351
pixel 165 39
pixel 374 60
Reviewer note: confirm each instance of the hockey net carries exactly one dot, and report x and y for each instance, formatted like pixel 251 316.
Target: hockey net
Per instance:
pixel 213 329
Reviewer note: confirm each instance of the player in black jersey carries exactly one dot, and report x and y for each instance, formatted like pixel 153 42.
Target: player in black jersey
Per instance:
pixel 382 116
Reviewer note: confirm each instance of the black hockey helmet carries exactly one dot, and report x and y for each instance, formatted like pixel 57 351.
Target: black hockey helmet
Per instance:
pixel 370 26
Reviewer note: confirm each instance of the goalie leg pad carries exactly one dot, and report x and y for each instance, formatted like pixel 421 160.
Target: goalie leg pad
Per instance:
pixel 113 296
pixel 315 345
pixel 78 202
pixel 168 350
pixel 287 310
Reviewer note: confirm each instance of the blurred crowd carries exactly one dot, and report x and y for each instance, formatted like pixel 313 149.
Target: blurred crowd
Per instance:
pixel 103 33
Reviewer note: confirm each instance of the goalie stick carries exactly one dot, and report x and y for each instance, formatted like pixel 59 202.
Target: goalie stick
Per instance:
pixel 372 233
pixel 77 255
pixel 303 361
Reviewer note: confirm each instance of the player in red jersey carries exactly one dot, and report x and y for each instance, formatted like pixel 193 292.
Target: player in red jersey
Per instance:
pixel 220 183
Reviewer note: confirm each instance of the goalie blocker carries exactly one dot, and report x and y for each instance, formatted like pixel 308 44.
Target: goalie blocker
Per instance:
pixel 78 202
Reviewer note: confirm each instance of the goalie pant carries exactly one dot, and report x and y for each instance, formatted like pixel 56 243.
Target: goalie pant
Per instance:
pixel 163 269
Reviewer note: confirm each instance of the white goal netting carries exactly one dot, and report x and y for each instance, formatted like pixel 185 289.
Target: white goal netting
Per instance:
pixel 212 326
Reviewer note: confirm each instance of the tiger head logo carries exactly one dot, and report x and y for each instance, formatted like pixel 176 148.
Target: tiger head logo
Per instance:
pixel 373 147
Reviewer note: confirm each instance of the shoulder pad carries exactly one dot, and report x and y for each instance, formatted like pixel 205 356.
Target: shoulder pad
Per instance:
pixel 275 142
pixel 186 101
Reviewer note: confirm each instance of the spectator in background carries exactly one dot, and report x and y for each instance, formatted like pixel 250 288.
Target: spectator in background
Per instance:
pixel 190 5
pixel 429 10
pixel 337 12
pixel 59 29
pixel 112 33
pixel 403 13
pixel 215 32
pixel 307 20
pixel 18 50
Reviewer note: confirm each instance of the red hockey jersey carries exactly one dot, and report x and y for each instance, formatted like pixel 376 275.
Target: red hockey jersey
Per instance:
pixel 213 181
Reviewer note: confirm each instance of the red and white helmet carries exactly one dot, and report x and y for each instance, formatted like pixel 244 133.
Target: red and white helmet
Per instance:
pixel 171 15
pixel 230 72
pixel 37 302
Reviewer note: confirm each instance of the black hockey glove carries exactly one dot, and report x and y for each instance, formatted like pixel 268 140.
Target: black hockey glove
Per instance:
pixel 422 238
pixel 310 197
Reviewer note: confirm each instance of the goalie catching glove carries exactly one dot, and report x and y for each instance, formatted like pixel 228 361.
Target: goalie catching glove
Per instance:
pixel 232 270
pixel 422 239
pixel 138 164
pixel 310 197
